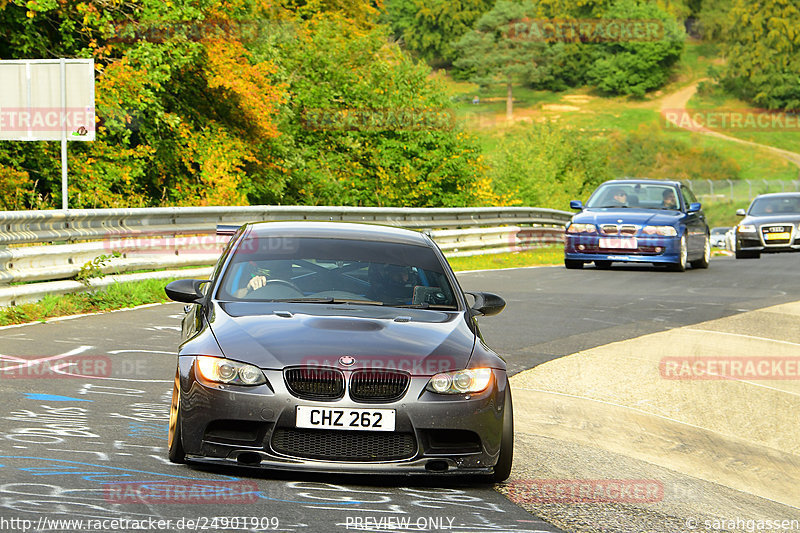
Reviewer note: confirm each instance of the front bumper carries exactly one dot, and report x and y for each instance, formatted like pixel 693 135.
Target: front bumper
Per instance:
pixel 255 426
pixel 753 242
pixel 648 249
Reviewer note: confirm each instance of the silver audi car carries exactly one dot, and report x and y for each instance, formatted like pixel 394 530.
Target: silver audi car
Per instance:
pixel 338 347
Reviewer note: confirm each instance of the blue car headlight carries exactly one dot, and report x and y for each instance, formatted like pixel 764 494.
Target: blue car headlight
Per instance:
pixel 581 228
pixel 662 231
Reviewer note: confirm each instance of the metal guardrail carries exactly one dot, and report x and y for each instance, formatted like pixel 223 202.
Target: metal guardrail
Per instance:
pixel 92 224
pixel 148 239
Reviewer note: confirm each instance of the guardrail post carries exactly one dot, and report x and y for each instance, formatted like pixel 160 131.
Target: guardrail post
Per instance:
pixel 730 184
pixel 749 190
pixel 711 188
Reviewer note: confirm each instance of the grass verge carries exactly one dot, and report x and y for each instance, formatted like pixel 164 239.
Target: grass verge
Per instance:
pixel 546 255
pixel 117 296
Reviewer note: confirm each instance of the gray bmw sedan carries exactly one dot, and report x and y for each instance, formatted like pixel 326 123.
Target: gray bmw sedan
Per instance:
pixel 336 347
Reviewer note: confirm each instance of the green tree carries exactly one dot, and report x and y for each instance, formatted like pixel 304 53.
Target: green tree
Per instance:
pixel 182 110
pixel 364 124
pixel 499 50
pixel 713 17
pixel 429 27
pixel 763 51
pixel 633 67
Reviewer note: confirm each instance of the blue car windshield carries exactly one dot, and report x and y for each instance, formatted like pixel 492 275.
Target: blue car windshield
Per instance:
pixel 635 195
pixel 315 270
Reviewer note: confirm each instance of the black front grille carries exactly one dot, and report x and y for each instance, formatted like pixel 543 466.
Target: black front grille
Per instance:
pixel 343 445
pixel 315 383
pixel 378 385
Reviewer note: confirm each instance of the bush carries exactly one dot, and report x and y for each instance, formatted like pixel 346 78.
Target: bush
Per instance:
pixel 544 165
pixel 649 153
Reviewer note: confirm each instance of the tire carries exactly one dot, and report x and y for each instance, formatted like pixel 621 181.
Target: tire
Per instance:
pixel 706 259
pixel 680 266
pixel 572 264
pixel 602 265
pixel 502 470
pixel 174 439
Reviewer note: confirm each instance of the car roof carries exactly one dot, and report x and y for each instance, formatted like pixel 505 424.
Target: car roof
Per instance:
pixel 778 195
pixel 337 230
pixel 643 181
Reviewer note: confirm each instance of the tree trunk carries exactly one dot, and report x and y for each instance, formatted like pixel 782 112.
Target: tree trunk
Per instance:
pixel 509 102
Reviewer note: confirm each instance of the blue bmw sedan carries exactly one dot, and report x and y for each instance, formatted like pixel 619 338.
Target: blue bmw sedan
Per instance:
pixel 638 221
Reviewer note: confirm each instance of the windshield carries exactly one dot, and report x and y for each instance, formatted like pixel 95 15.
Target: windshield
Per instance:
pixel 635 195
pixel 775 205
pixel 336 271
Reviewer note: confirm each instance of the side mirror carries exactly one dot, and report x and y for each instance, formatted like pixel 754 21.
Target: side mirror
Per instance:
pixel 695 207
pixel 741 212
pixel 186 290
pixel 576 204
pixel 487 303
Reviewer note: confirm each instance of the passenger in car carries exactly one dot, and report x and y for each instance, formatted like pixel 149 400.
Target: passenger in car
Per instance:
pixel 391 283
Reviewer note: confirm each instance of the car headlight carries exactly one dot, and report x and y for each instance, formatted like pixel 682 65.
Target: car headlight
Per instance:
pixel 226 371
pixel 460 381
pixel 581 228
pixel 663 231
pixel 746 228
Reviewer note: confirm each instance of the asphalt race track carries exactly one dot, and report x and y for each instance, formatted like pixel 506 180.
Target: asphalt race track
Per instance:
pixel 82 448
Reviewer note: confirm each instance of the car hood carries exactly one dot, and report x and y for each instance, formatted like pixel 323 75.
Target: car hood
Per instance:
pixel 642 217
pixel 273 336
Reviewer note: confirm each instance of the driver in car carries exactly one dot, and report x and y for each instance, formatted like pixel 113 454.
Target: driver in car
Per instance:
pixel 668 199
pixel 619 198
pixel 260 277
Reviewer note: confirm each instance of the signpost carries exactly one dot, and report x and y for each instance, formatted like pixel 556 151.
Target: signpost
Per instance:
pixel 48 100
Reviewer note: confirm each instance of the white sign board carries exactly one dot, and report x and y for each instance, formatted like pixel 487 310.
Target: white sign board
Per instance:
pixel 47 100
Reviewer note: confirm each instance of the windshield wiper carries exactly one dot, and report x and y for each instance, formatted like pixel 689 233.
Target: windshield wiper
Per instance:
pixel 325 301
pixel 428 306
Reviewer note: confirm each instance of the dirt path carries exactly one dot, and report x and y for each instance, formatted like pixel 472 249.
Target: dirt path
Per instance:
pixel 677 101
